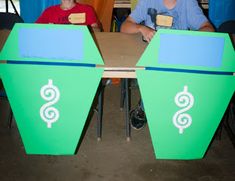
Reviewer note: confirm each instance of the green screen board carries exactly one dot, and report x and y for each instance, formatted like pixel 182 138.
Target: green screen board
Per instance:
pixel 186 87
pixel 50 84
pixel 51 43
pixel 189 50
pixel 50 104
pixel 183 110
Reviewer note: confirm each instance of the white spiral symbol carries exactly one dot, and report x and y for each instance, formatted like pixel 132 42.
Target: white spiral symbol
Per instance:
pixel 184 100
pixel 51 94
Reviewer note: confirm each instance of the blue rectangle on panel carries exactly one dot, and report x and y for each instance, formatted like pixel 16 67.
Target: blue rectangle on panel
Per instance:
pixel 191 50
pixel 59 44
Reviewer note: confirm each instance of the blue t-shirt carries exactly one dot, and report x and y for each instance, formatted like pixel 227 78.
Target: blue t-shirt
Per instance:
pixel 186 14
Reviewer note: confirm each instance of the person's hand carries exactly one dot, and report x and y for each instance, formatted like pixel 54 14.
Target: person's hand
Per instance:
pixel 147 33
pixel 207 26
pixel 130 26
pixel 95 27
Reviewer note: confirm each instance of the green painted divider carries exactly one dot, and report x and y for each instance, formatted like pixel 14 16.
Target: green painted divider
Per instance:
pixel 150 57
pixel 185 100
pixel 50 104
pixel 183 110
pixel 50 97
pixel 91 55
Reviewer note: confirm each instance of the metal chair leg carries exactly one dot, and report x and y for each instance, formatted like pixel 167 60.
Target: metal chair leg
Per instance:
pixel 100 112
pixel 127 109
pixel 10 117
pixel 122 94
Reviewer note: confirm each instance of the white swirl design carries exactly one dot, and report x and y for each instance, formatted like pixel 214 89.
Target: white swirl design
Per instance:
pixel 184 100
pixel 51 94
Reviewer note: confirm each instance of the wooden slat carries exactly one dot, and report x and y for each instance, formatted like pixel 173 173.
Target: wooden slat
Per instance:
pixel 122 4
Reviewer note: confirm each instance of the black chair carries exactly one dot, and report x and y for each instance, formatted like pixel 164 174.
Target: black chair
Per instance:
pixel 7 21
pixel 228 121
pixel 227 27
pixel 4 96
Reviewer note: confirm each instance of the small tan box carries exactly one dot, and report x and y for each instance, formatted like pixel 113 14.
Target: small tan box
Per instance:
pixel 163 20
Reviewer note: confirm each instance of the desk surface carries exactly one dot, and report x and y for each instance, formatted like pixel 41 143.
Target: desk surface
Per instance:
pixel 120 53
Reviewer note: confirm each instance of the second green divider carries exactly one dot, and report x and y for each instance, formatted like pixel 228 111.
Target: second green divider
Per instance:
pixel 183 110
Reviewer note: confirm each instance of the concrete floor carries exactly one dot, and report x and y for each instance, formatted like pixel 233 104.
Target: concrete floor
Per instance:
pixel 113 158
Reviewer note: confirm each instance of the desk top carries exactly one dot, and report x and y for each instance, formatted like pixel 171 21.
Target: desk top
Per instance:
pixel 120 53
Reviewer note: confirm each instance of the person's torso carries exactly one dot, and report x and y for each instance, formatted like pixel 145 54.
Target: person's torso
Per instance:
pixel 153 8
pixel 175 18
pixel 81 13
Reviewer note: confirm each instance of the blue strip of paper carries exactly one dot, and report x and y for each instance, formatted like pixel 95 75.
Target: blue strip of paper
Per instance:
pixel 190 50
pixel 58 44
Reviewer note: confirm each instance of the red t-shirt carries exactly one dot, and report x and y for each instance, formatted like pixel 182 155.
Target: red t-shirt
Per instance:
pixel 56 15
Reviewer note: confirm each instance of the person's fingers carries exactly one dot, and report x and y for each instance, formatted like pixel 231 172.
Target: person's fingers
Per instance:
pixel 148 33
pixel 149 36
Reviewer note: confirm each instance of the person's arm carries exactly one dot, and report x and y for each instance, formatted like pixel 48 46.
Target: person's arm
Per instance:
pixel 92 19
pixel 196 19
pixel 206 27
pixel 130 26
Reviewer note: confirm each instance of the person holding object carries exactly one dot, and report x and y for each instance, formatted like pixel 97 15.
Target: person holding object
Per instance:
pixel 151 15
pixel 70 12
pixel 174 14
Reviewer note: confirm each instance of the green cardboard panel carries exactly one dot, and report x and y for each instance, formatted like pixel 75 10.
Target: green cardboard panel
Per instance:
pixel 51 43
pixel 50 104
pixel 190 50
pixel 183 110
